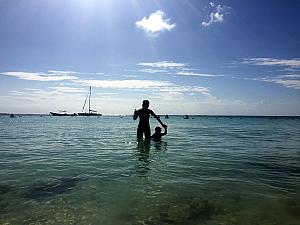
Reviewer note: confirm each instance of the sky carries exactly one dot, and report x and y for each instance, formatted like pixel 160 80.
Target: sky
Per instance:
pixel 227 57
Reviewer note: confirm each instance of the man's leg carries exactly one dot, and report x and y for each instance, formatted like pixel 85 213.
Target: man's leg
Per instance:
pixel 139 133
pixel 147 132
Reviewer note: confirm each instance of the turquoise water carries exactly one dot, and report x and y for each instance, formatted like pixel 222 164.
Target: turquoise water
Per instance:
pixel 207 170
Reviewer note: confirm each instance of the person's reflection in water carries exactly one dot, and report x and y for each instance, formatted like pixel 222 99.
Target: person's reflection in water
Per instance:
pixel 142 154
pixel 160 146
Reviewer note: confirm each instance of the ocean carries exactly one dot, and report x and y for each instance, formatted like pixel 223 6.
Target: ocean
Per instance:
pixel 208 170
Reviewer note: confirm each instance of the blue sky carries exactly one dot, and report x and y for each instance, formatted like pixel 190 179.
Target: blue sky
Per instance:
pixel 186 57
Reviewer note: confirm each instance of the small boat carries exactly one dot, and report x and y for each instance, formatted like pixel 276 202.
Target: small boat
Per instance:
pixel 166 116
pixel 62 113
pixel 12 115
pixel 186 117
pixel 90 112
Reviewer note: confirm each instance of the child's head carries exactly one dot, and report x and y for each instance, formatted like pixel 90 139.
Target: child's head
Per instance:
pixel 145 104
pixel 157 130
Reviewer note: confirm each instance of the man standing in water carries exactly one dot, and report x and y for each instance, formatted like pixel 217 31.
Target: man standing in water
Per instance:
pixel 144 114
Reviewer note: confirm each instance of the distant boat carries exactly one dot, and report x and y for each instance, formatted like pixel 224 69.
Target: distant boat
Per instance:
pixel 12 115
pixel 186 117
pixel 62 113
pixel 90 111
pixel 166 116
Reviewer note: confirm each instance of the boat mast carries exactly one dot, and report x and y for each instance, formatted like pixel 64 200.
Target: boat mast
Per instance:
pixel 90 100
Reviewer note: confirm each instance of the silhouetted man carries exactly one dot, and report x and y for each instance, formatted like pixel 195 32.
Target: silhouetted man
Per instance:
pixel 144 115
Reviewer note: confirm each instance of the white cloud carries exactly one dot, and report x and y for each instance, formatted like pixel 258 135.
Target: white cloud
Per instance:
pixel 291 66
pixel 289 83
pixel 217 15
pixel 295 76
pixel 155 23
pixel 68 89
pixel 163 64
pixel 125 84
pixel 172 67
pixel 186 88
pixel 187 69
pixel 195 74
pixel 61 72
pixel 149 70
pixel 146 85
pixel 293 63
pixel 40 76
pixel 203 93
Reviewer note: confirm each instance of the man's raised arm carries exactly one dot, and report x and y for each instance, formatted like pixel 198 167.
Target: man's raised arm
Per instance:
pixel 157 117
pixel 135 114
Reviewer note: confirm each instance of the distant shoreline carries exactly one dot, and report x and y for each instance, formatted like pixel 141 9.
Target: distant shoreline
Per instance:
pixel 170 115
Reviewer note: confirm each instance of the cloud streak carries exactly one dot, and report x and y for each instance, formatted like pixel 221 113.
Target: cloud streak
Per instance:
pixel 195 74
pixel 67 89
pixel 163 64
pixel 293 63
pixel 125 84
pixel 150 70
pixel 289 83
pixel 146 85
pixel 51 76
pixel 173 68
pixel 155 23
pixel 289 66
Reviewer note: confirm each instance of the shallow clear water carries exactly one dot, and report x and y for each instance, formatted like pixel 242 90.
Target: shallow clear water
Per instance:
pixel 207 170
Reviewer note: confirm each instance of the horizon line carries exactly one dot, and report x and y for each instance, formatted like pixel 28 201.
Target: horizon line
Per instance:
pixel 208 115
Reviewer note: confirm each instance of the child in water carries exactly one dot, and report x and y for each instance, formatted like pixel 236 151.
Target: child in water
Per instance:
pixel 157 134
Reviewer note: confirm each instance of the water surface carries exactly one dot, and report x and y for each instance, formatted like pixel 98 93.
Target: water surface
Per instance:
pixel 207 170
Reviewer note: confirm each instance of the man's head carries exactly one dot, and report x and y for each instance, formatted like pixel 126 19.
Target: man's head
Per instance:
pixel 145 104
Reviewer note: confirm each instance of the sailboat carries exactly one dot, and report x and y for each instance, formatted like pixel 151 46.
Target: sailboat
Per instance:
pixel 90 111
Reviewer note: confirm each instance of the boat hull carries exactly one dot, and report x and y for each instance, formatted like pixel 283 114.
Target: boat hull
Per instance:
pixel 89 114
pixel 62 114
